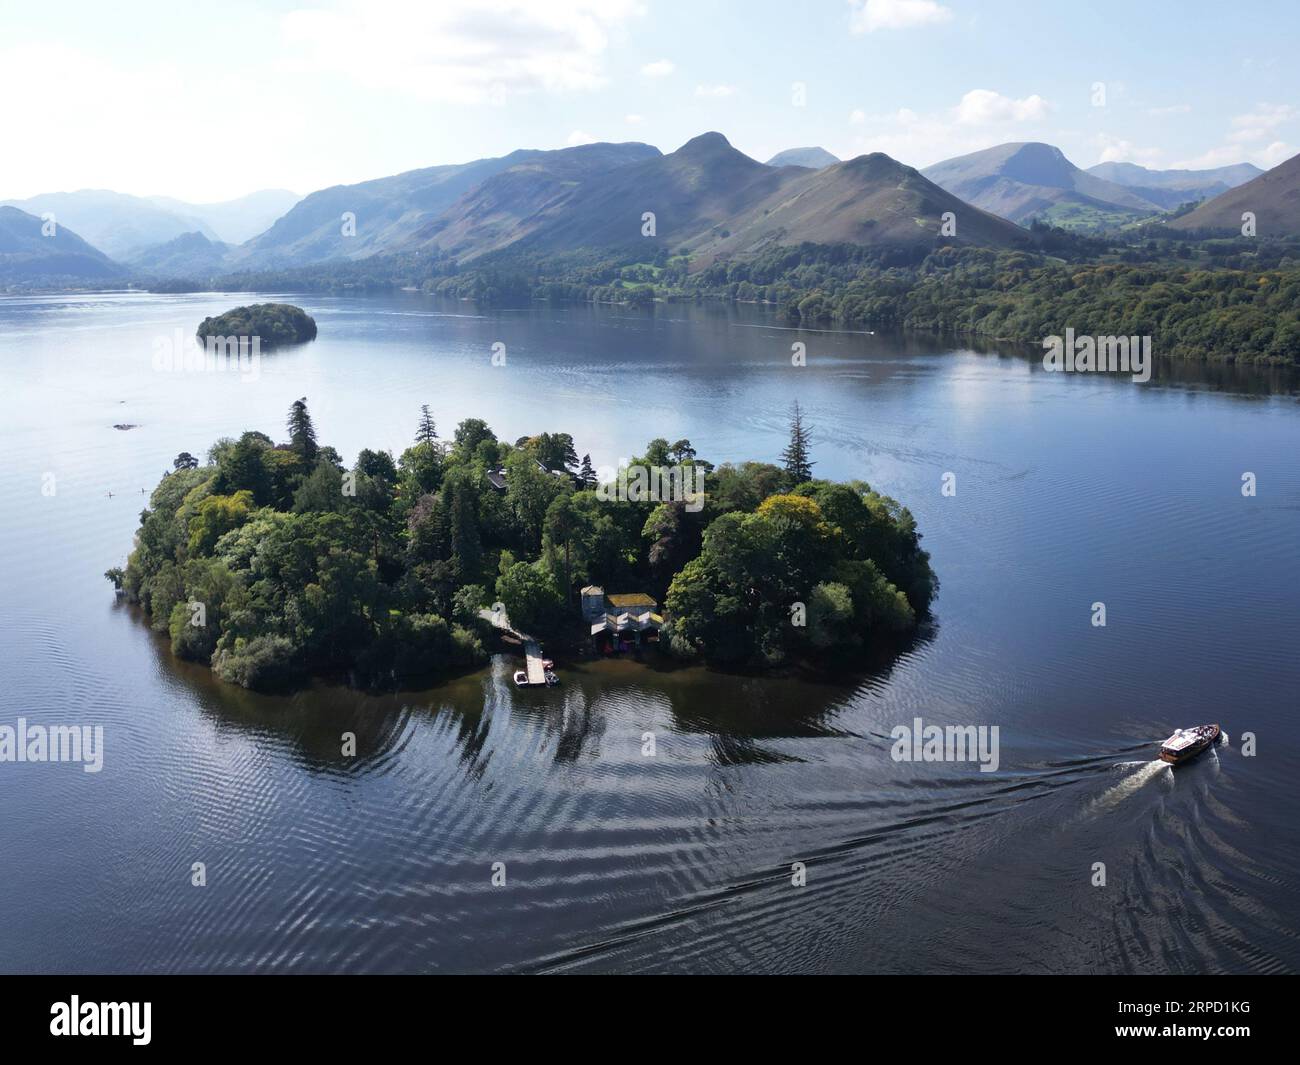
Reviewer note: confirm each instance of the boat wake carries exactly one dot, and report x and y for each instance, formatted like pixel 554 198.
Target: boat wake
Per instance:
pixel 1144 774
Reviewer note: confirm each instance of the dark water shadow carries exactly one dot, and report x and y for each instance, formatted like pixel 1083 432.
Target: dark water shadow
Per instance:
pixel 739 710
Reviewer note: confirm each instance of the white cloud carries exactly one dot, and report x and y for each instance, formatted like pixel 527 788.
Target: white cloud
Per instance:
pixel 1253 138
pixel 857 117
pixel 633 120
pixel 867 16
pixel 1277 152
pixel 660 68
pixel 1266 157
pixel 1118 150
pixel 458 51
pixel 982 107
pixel 1172 109
pixel 716 91
pixel 579 136
pixel 1261 123
pixel 920 139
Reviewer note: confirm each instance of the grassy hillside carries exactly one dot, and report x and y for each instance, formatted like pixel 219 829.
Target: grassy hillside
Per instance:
pixel 1273 198
pixel 1022 182
pixel 387 211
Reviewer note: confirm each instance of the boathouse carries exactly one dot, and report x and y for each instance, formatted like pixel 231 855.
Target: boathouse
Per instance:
pixel 620 622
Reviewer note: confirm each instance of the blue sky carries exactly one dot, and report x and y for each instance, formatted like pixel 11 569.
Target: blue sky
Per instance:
pixel 207 101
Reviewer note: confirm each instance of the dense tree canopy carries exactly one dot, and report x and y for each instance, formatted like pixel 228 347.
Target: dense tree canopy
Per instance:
pixel 1196 295
pixel 273 560
pixel 272 323
pixel 783 580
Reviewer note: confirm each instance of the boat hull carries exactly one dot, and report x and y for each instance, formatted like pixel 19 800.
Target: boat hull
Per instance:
pixel 1209 735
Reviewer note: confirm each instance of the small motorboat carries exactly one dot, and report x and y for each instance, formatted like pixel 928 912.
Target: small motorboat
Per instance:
pixel 1187 743
pixel 521 678
pixel 551 679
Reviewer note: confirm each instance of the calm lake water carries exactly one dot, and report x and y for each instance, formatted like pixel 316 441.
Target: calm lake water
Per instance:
pixel 1070 490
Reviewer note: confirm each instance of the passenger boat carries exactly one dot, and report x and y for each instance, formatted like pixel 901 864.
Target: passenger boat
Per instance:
pixel 521 678
pixel 1187 743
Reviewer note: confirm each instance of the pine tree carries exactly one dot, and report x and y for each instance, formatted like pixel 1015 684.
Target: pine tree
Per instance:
pixel 587 476
pixel 427 433
pixel 570 454
pixel 795 455
pixel 466 543
pixel 302 436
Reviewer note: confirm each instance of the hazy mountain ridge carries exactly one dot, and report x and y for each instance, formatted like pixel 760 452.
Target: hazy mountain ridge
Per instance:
pixel 27 254
pixel 1173 188
pixel 1132 175
pixel 115 223
pixel 703 185
pixel 514 203
pixel 707 200
pixel 388 211
pixel 120 225
pixel 189 255
pixel 814 158
pixel 1024 181
pixel 235 221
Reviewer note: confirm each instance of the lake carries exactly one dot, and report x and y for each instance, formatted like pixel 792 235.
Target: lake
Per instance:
pixel 1070 490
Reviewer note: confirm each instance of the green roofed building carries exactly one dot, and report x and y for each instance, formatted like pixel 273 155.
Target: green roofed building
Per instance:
pixel 631 601
pixel 620 622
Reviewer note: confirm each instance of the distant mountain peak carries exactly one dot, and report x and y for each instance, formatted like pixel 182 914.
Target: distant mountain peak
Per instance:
pixel 705 146
pixel 814 158
pixel 710 139
pixel 1036 163
pixel 874 161
pixel 1025 180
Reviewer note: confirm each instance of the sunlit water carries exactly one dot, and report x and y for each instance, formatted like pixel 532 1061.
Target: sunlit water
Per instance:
pixel 1070 491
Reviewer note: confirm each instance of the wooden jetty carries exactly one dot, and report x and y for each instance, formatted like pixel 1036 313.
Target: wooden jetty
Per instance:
pixel 532 649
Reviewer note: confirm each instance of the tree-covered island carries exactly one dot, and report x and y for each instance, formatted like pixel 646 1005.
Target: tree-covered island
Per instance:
pixel 272 323
pixel 272 561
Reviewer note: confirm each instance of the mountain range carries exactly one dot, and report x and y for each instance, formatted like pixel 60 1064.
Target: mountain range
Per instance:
pixel 235 221
pixel 29 250
pixel 705 200
pixel 1173 188
pixel 396 213
pixel 1028 181
pixel 120 225
pixel 115 223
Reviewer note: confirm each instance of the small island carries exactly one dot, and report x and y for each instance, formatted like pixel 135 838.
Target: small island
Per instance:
pixel 273 323
pixel 270 561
